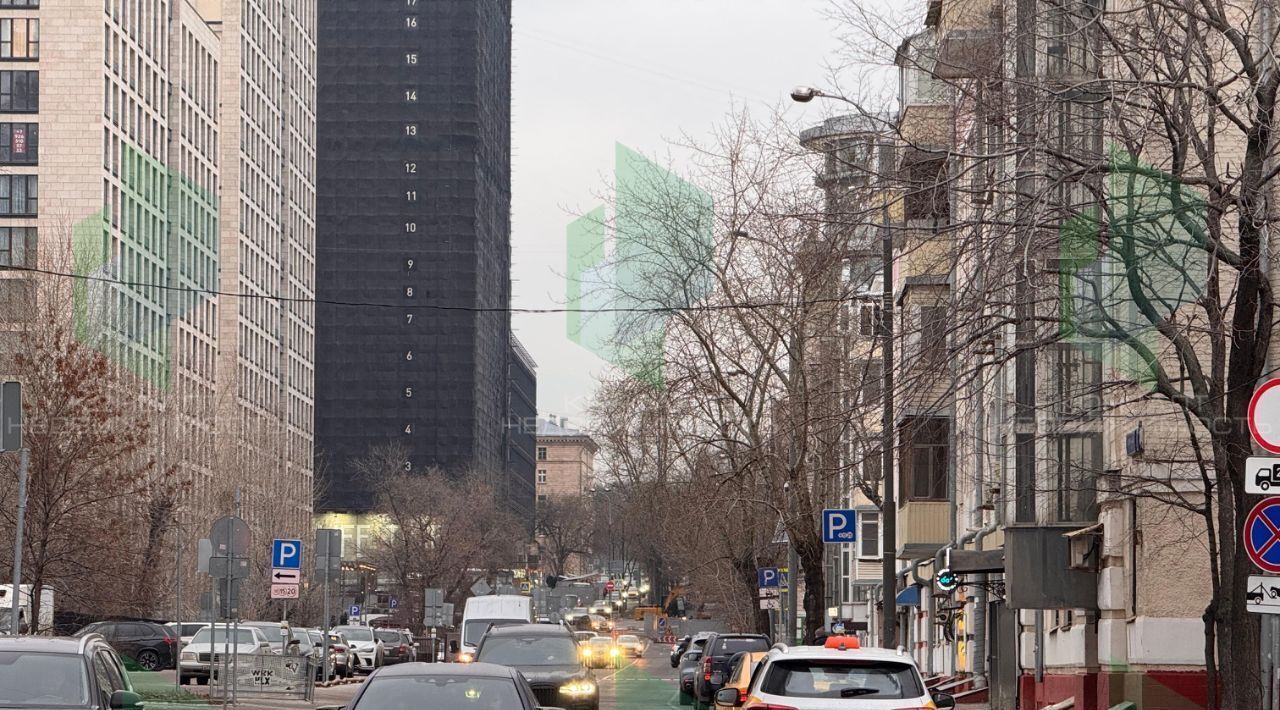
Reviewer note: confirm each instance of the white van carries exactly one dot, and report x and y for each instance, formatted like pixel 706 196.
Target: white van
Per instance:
pixel 481 613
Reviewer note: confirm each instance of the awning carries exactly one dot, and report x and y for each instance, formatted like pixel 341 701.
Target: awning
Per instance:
pixel 909 596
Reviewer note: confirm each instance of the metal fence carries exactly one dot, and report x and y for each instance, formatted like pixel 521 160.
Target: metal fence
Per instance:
pixel 264 675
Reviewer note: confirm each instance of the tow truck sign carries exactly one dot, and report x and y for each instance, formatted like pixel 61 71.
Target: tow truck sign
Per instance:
pixel 1263 596
pixel 1262 475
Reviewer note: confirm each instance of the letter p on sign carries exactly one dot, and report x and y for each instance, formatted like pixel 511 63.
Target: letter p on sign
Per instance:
pixel 839 526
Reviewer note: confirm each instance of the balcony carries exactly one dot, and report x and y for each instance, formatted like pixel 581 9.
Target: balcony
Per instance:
pixel 923 527
pixel 969 42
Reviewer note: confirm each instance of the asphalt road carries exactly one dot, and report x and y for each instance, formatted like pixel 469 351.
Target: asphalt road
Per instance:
pixel 647 683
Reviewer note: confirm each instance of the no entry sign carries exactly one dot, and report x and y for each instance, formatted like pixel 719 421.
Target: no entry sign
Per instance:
pixel 1262 535
pixel 1264 415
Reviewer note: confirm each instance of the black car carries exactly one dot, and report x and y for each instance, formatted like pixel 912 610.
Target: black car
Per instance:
pixel 717 651
pixel 147 645
pixel 548 657
pixel 686 644
pixel 474 686
pixel 397 645
pixel 69 673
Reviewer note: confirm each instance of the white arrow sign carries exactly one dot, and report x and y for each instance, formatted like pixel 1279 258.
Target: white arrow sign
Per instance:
pixel 284 576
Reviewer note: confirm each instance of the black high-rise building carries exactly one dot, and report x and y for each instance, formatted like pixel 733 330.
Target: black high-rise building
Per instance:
pixel 413 202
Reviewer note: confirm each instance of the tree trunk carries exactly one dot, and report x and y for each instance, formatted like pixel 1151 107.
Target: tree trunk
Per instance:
pixel 1237 630
pixel 810 552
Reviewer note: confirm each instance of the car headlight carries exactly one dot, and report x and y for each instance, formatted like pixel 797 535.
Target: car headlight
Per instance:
pixel 578 688
pixel 586 653
pixel 466 657
pixel 188 656
pixel 613 651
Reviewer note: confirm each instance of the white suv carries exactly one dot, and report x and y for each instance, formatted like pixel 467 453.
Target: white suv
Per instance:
pixel 837 676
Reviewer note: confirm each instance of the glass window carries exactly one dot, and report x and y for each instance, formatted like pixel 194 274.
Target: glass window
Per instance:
pixel 476 628
pixel 731 645
pixel 441 692
pixel 529 651
pixel 18 143
pixel 823 678
pixel 869 533
pixel 542 453
pixel 542 475
pixel 923 458
pixel 1079 468
pixel 19 91
pixel 19 3
pixel 242 637
pixel 18 195
pixel 43 680
pixel 19 38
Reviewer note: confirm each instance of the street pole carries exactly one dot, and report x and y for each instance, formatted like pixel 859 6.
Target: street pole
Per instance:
pixel 889 513
pixel 793 576
pixel 177 601
pixel 324 644
pixel 15 625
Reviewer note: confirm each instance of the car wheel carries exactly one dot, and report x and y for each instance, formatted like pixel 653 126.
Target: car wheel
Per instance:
pixel 202 680
pixel 148 660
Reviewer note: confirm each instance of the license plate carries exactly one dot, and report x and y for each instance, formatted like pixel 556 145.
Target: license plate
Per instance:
pixel 717 678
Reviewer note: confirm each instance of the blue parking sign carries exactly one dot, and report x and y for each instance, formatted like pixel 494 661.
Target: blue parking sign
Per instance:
pixel 839 525
pixel 768 577
pixel 355 611
pixel 286 554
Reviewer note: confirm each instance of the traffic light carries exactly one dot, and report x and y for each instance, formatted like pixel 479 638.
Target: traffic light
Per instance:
pixel 946 580
pixel 552 581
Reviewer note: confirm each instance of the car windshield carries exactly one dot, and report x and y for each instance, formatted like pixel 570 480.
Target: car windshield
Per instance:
pixel 361 634
pixel 601 641
pixel 824 678
pixel 275 634
pixel 474 629
pixel 240 637
pixel 43 680
pixel 628 639
pixel 388 637
pixel 730 646
pixel 529 651
pixel 445 692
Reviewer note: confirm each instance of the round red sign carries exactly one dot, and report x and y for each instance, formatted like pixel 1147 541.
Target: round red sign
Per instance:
pixel 1264 415
pixel 1262 535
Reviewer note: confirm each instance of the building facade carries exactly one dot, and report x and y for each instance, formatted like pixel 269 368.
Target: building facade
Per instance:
pixel 519 485
pixel 414 150
pixel 565 460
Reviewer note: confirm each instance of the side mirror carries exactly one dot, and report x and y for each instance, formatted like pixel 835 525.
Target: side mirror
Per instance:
pixel 125 700
pixel 731 697
pixel 944 701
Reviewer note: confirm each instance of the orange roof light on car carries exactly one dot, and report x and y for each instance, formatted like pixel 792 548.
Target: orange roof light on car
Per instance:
pixel 842 643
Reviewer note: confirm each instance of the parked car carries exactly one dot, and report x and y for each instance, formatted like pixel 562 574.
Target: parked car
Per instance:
pixel 364 646
pixel 184 631
pixel 200 659
pixel 688 643
pixel 151 646
pixel 340 655
pixel 631 644
pixel 601 652
pixel 717 651
pixel 584 636
pixel 443 685
pixel 397 645
pixel 278 634
pixel 79 673
pixel 547 656
pixel 310 645
pixel 835 675
pixel 739 674
pixel 690 664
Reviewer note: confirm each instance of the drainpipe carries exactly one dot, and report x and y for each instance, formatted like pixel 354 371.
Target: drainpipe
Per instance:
pixel 931 630
pixel 979 650
pixel 971 536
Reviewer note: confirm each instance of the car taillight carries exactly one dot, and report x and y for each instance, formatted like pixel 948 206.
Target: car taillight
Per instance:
pixel 170 640
pixel 339 649
pixel 706 669
pixel 404 648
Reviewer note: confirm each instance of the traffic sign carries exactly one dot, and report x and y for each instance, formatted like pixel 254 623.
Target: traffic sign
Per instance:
pixel 767 577
pixel 1264 415
pixel 393 603
pixel 284 591
pixel 608 586
pixel 355 611
pixel 784 578
pixel 230 536
pixel 1262 535
pixel 770 592
pixel 285 576
pixel 662 622
pixel 1263 595
pixel 771 603
pixel 1261 474
pixel 286 554
pixel 10 416
pixel 839 525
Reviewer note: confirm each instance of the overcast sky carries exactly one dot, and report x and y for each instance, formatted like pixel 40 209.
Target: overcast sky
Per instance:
pixel 589 73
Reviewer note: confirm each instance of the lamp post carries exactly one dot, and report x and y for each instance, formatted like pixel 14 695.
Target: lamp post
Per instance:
pixel 889 510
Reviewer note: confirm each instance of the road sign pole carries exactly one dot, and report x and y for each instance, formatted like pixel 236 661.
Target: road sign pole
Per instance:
pixel 15 625
pixel 325 643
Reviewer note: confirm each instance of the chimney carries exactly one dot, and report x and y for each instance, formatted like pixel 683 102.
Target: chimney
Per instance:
pixel 563 421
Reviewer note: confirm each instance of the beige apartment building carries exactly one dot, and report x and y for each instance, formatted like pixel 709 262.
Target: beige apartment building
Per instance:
pixel 565 459
pixel 143 153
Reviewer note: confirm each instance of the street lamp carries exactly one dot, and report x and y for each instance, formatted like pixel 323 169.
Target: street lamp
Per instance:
pixel 889 510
